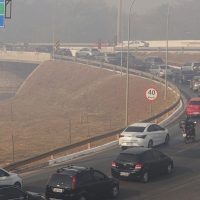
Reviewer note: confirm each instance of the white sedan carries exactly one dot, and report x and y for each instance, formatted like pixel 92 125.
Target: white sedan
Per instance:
pixel 9 178
pixel 143 134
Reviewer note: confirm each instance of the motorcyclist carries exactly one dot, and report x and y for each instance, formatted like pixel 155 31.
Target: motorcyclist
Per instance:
pixel 188 126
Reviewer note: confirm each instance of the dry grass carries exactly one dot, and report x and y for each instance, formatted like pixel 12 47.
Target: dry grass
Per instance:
pixel 62 102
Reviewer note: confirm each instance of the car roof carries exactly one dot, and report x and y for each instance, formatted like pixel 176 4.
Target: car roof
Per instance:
pixel 141 124
pixel 195 99
pixel 135 150
pixel 71 170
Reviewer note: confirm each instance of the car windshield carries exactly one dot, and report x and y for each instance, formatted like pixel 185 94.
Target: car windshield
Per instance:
pixel 60 179
pixel 111 54
pixel 139 129
pixel 196 64
pixel 95 50
pixel 125 157
pixel 195 103
pixel 158 60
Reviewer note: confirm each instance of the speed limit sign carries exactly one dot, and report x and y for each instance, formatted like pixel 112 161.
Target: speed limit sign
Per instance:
pixel 151 94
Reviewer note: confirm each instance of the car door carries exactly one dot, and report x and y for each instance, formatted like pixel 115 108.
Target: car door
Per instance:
pixel 160 133
pixel 153 133
pixel 101 183
pixel 5 178
pixel 162 161
pixel 150 164
pixel 85 182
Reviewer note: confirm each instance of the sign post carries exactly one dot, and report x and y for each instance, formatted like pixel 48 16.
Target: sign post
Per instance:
pixel 151 95
pixel 2 13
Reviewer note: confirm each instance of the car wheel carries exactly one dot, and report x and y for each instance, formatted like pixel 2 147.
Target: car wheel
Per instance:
pixel 169 168
pixel 114 191
pixel 124 147
pixel 17 185
pixel 150 144
pixel 47 198
pixel 167 138
pixel 82 197
pixel 145 177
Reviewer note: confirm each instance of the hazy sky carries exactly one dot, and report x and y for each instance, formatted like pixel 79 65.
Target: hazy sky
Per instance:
pixel 143 6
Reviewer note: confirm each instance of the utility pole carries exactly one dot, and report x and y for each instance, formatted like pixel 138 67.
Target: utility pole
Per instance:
pixel 166 54
pixel 119 22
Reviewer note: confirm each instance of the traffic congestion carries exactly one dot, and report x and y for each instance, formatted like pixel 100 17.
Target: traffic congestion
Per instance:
pixel 141 156
pixel 99 100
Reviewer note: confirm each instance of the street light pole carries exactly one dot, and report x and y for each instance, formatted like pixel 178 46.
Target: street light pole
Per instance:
pixel 127 66
pixel 166 55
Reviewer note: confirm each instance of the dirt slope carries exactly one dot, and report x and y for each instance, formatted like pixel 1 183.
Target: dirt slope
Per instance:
pixel 62 102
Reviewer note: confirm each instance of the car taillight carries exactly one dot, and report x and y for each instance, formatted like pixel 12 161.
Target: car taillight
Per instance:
pixel 73 182
pixel 114 164
pixel 138 166
pixel 141 136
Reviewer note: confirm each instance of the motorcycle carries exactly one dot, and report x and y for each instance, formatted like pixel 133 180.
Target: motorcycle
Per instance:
pixel 188 138
pixel 188 131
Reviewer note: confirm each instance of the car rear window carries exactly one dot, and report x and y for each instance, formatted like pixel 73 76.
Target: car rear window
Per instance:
pixel 61 180
pixel 125 157
pixel 135 129
pixel 158 60
pixel 195 103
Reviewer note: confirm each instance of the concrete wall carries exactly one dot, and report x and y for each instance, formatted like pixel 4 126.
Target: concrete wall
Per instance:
pixel 175 43
pixel 33 57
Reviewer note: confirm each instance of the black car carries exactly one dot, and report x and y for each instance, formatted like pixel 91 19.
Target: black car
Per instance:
pixel 64 52
pixel 80 183
pixel 13 193
pixel 141 163
pixel 152 61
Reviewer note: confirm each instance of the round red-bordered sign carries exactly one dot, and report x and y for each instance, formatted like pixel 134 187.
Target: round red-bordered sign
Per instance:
pixel 151 94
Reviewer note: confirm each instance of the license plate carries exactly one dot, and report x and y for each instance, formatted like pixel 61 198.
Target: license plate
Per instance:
pixel 124 174
pixel 196 113
pixel 57 190
pixel 184 135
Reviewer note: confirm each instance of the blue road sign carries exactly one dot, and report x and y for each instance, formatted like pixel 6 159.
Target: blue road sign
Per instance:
pixel 2 13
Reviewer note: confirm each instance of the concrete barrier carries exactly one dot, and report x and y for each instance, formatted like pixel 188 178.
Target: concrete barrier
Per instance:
pixel 33 57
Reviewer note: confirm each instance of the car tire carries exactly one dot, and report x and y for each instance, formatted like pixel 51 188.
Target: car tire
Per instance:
pixel 47 198
pixel 82 197
pixel 150 144
pixel 167 139
pixel 114 191
pixel 145 177
pixel 124 147
pixel 17 185
pixel 169 168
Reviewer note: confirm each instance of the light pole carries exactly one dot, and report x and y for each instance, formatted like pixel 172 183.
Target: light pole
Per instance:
pixel 127 66
pixel 166 55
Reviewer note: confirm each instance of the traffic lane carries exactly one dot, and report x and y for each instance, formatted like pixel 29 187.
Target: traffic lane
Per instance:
pixel 186 166
pixel 186 174
pixel 102 161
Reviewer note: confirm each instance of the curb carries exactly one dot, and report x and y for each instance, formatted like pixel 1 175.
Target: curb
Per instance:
pixel 59 160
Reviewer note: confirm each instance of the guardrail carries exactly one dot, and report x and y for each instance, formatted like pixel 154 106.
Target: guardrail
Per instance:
pixel 89 141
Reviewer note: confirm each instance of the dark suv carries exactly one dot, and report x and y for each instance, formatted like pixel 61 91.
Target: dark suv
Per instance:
pixel 13 193
pixel 80 183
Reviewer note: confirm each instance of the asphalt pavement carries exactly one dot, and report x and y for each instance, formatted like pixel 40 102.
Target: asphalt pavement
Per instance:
pixel 182 184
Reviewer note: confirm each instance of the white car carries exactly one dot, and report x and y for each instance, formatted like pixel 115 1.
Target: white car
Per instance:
pixel 160 70
pixel 9 178
pixel 143 134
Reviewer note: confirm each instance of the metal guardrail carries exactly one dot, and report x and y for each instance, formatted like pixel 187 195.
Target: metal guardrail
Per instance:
pixel 21 163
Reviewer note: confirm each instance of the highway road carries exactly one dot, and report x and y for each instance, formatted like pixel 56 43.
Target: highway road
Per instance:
pixel 182 184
